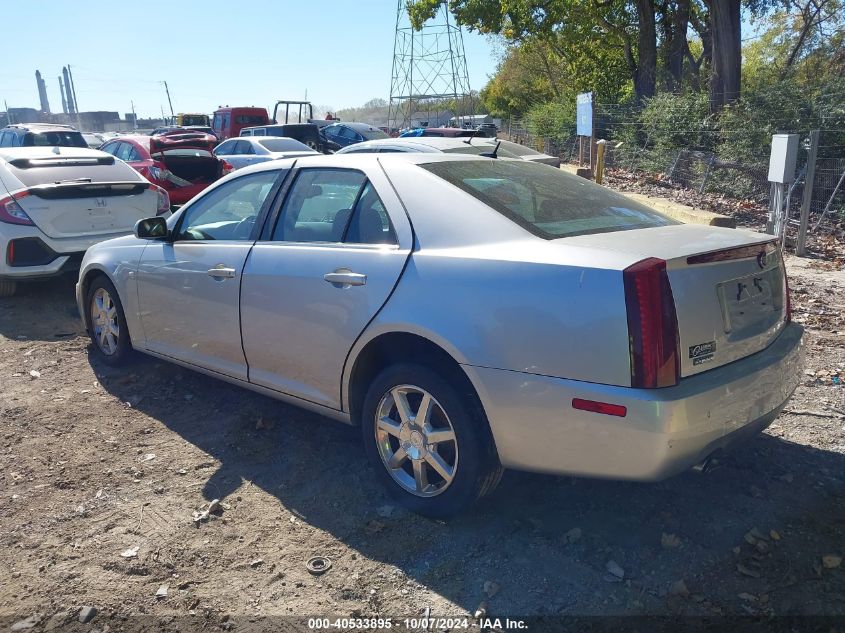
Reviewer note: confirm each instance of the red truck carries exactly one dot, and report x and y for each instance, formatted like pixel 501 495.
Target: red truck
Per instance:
pixel 228 122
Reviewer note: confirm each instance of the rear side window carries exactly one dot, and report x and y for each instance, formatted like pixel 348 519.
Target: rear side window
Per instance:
pixel 284 145
pixel 370 223
pixel 55 138
pixel 547 202
pixel 319 205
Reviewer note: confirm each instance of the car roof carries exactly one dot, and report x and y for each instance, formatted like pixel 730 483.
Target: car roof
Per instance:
pixel 41 126
pixel 12 153
pixel 356 160
pixel 358 127
pixel 434 143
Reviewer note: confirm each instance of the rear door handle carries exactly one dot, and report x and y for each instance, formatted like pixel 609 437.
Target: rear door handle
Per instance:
pixel 221 272
pixel 345 277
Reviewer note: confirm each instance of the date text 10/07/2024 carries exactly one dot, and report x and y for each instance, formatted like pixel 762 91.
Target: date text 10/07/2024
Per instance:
pixel 414 624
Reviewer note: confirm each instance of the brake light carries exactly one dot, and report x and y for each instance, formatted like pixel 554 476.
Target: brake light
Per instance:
pixel 227 167
pixel 652 325
pixel 163 205
pixel 11 212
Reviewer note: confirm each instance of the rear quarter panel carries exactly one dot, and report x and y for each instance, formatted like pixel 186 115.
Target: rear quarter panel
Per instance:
pixel 540 318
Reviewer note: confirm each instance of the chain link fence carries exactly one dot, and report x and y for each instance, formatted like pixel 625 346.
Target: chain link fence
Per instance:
pixel 708 160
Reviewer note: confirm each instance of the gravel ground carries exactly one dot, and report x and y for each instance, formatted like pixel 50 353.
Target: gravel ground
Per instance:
pixel 102 470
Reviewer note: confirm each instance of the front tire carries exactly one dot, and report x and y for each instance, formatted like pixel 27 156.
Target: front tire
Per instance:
pixel 8 287
pixel 107 323
pixel 428 440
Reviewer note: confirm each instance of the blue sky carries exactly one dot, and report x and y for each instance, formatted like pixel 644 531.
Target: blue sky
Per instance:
pixel 339 51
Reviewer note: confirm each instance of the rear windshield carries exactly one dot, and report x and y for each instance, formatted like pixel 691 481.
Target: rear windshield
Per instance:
pixel 284 145
pixel 54 138
pixel 374 134
pixel 519 150
pixel 545 201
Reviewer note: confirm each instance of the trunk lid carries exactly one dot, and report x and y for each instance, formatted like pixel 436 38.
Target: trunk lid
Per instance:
pixel 181 140
pixel 70 192
pixel 82 209
pixel 729 287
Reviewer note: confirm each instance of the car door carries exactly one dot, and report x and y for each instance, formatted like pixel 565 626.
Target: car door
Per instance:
pixel 320 273
pixel 188 286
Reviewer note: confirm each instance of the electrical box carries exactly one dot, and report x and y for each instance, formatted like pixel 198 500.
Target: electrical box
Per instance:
pixel 783 158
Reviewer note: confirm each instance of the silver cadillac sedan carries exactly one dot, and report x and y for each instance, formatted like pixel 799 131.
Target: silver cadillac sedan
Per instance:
pixel 470 314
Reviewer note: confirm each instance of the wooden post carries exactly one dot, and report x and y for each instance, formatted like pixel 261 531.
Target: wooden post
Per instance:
pixel 801 244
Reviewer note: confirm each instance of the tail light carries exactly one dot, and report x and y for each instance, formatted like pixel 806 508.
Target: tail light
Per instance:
pixel 163 205
pixel 227 167
pixel 156 172
pixel 11 212
pixel 652 325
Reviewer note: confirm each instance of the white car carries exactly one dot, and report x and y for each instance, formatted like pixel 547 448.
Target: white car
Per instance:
pixel 251 150
pixel 55 202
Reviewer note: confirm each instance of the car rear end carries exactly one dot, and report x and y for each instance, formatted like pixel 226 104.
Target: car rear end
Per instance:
pixel 664 343
pixel 713 353
pixel 56 202
pixel 185 164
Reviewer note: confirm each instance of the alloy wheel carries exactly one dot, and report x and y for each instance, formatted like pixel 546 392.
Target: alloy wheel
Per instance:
pixel 104 322
pixel 416 440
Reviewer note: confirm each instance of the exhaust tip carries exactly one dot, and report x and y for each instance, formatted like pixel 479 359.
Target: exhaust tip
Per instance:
pixel 708 464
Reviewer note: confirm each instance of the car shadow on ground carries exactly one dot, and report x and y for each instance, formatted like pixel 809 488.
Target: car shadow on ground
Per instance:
pixel 545 540
pixel 42 310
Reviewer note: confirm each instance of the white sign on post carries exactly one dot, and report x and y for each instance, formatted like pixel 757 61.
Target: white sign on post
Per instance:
pixel 783 158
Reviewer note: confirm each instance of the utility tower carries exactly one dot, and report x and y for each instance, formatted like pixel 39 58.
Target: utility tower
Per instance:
pixel 429 70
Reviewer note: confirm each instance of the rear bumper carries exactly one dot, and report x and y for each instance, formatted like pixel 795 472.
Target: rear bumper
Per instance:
pixel 41 256
pixel 665 430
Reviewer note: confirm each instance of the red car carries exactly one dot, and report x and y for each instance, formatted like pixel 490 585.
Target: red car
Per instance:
pixel 180 162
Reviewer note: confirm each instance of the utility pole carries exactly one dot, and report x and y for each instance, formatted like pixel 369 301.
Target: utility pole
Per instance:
pixel 167 90
pixel 807 201
pixel 134 117
pixel 75 100
pixel 8 114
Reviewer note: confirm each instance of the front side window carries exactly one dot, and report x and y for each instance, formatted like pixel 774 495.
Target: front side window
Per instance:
pixel 225 149
pixel 547 202
pixel 319 205
pixel 229 211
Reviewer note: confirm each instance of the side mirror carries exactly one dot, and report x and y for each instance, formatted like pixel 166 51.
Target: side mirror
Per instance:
pixel 151 228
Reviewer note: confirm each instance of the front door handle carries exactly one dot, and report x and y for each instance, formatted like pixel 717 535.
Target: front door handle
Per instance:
pixel 345 277
pixel 221 272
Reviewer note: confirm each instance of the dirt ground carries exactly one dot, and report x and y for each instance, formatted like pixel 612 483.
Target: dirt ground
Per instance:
pixel 101 471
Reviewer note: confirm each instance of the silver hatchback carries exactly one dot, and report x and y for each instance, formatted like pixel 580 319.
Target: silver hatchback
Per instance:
pixel 468 313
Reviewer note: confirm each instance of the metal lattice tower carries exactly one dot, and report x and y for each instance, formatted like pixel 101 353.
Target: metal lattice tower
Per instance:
pixel 429 68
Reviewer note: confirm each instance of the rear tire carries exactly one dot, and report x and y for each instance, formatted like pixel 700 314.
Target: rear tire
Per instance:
pixel 437 466
pixel 107 323
pixel 8 287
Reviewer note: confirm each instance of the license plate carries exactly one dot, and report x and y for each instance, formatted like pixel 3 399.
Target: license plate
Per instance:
pixel 746 301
